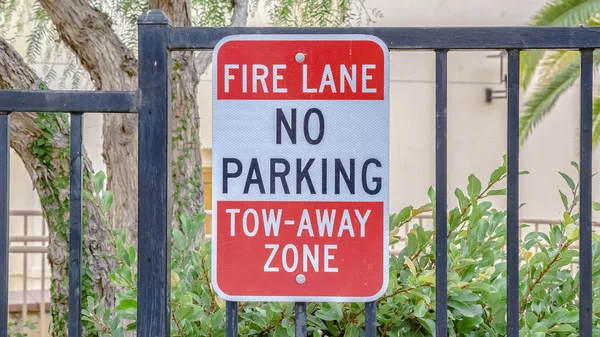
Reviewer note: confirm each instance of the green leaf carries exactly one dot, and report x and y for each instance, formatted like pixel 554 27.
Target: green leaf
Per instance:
pixel 185 223
pixel 596 206
pixel 107 200
pixel 184 312
pixel 572 231
pixel 530 318
pixel 563 328
pixel 88 196
pixel 427 279
pixel 568 180
pixel 404 214
pixel 596 306
pixel 413 243
pixel 463 201
pixel 575 165
pixel 410 265
pixel 564 199
pixel 280 332
pixel 538 257
pixel 99 181
pixel 179 239
pixel 420 309
pixel 431 194
pixel 475 216
pixel 328 315
pixel 351 331
pixel 462 308
pixel 497 192
pixel 497 174
pixel 567 218
pixel 474 187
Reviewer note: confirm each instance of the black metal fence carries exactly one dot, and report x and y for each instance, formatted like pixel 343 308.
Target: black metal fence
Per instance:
pixel 152 103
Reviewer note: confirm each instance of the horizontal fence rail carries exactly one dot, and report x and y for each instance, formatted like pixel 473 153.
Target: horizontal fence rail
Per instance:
pixel 152 102
pixel 408 38
pixel 76 103
pixel 68 101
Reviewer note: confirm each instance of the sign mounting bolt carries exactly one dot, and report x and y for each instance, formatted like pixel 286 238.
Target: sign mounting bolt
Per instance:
pixel 300 279
pixel 300 57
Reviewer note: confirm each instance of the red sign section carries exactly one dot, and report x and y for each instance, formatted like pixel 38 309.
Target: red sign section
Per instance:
pixel 300 248
pixel 300 70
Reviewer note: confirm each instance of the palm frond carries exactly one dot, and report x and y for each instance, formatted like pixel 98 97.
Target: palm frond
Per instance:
pixel 554 61
pixel 544 98
pixel 529 65
pixel 557 13
pixel 566 13
pixel 596 120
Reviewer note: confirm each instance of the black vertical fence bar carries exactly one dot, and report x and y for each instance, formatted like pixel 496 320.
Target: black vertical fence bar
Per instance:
pixel 300 311
pixel 441 197
pixel 231 319
pixel 74 324
pixel 154 176
pixel 585 205
pixel 371 319
pixel 512 233
pixel 4 217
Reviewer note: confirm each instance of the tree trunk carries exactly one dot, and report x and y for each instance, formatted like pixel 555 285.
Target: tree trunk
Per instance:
pixel 42 142
pixel 188 191
pixel 112 66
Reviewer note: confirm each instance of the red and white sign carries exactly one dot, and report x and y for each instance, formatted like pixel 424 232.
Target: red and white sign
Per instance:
pixel 300 168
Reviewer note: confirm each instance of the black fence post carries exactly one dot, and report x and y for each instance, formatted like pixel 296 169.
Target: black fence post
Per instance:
pixel 300 311
pixel 586 293
pixel 512 205
pixel 441 192
pixel 76 225
pixel 154 176
pixel 371 319
pixel 4 217
pixel 231 319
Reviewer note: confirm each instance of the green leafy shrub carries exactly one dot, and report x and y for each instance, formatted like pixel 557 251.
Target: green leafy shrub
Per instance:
pixel 19 327
pixel 476 279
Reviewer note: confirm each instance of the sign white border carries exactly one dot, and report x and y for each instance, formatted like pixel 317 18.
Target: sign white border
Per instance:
pixel 386 252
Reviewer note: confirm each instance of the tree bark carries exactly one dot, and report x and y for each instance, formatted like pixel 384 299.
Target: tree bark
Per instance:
pixel 112 66
pixel 42 142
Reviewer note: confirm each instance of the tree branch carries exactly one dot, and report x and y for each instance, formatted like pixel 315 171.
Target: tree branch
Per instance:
pixel 239 18
pixel 112 66
pixel 88 33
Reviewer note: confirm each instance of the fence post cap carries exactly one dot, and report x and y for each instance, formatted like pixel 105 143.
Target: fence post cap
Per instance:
pixel 154 17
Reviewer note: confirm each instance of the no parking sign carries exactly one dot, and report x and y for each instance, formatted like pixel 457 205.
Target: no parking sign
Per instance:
pixel 300 168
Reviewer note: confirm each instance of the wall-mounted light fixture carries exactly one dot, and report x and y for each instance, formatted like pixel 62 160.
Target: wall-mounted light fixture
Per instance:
pixel 490 93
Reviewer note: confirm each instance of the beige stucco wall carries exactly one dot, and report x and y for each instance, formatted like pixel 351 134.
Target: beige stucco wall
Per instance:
pixel 476 130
